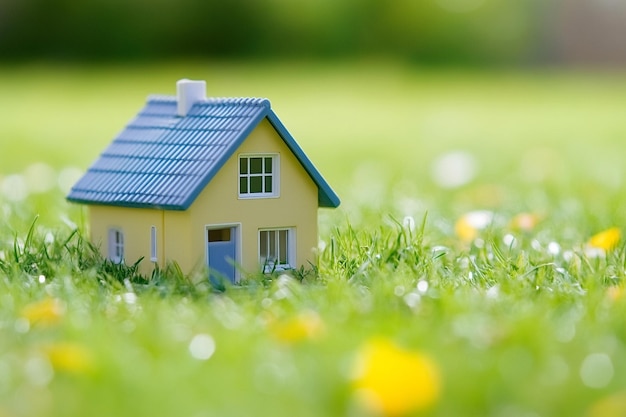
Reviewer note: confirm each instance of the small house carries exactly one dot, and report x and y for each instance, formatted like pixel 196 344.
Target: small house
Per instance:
pixel 205 182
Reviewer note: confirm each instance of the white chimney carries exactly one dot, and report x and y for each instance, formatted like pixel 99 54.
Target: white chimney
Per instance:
pixel 188 93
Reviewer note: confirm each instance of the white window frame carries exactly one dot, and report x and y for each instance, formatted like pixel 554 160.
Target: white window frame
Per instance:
pixel 116 245
pixel 275 176
pixel 153 244
pixel 290 247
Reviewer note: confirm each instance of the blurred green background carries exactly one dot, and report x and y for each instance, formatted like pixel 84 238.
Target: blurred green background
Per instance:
pixel 427 32
pixel 405 106
pixel 433 31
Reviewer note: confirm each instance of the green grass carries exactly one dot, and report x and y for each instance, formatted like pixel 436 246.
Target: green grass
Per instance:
pixel 515 329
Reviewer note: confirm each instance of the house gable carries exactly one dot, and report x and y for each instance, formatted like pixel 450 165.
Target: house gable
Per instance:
pixel 219 203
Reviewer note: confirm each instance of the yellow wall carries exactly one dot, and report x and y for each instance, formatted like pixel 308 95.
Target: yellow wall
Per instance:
pixel 182 235
pixel 135 224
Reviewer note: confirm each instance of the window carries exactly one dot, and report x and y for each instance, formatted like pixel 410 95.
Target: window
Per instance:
pixel 153 244
pixel 276 249
pixel 258 176
pixel 116 245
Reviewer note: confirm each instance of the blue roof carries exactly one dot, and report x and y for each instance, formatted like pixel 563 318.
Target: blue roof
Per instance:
pixel 162 160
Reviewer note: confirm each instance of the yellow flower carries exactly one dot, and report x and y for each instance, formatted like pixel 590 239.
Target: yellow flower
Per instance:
pixel 46 312
pixel 306 325
pixel 392 381
pixel 69 357
pixel 610 406
pixel 468 225
pixel 606 240
pixel 524 221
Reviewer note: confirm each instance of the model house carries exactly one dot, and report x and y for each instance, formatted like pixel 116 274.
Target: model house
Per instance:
pixel 205 182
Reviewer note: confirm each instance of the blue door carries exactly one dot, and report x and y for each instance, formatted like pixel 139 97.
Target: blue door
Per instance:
pixel 221 255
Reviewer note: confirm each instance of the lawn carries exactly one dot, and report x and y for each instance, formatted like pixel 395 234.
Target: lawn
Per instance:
pixel 457 278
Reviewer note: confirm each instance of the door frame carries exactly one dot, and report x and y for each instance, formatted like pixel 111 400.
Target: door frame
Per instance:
pixel 238 243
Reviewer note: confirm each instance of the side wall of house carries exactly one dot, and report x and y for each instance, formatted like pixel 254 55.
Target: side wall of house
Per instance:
pixel 219 203
pixel 135 224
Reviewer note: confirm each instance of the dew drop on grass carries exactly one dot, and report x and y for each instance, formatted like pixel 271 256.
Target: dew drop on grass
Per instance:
pixel 453 169
pixel 439 251
pixel 597 370
pixel 554 248
pixel 202 346
pixel 42 279
pixel 409 223
pixel 398 291
pixel 49 238
pixel 422 286
pixel 595 253
pixel 509 240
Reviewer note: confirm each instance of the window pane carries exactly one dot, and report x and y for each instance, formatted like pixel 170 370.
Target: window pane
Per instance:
pixel 268 165
pixel 116 245
pixel 272 245
pixel 153 243
pixel 263 245
pixel 268 184
pixel 256 184
pixel 282 247
pixel 120 245
pixel 219 235
pixel 256 165
pixel 243 165
pixel 243 185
